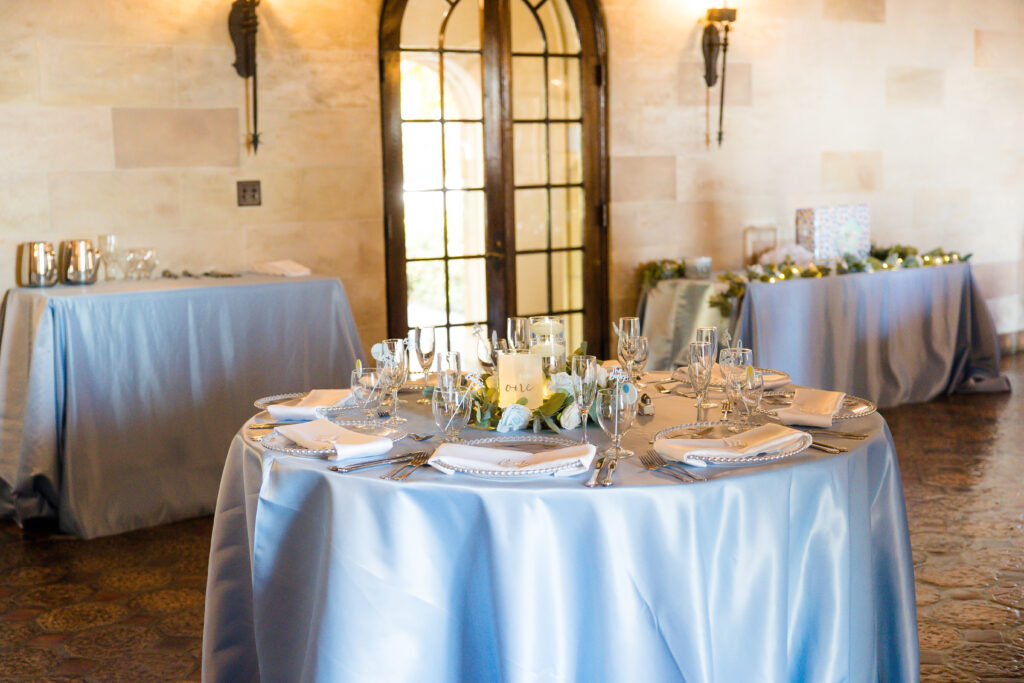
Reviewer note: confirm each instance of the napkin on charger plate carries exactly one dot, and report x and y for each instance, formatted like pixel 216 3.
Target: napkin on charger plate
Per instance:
pixel 305 409
pixel 764 439
pixel 450 457
pixel 811 407
pixel 284 268
pixel 322 434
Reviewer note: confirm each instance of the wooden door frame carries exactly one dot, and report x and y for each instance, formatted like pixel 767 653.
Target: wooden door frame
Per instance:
pixel 500 243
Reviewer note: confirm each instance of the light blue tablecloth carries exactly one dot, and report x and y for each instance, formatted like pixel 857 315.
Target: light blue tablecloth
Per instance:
pixel 118 400
pixel 798 571
pixel 895 337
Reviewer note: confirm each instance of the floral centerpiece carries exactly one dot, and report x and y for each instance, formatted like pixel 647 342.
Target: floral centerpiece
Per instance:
pixel 558 410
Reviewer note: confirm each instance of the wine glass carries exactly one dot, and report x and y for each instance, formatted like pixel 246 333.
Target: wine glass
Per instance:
pixel 449 370
pixel 451 408
pixel 734 362
pixel 640 353
pixel 710 335
pixel 423 342
pixel 367 390
pixel 616 408
pixel 584 386
pixel 699 369
pixel 108 256
pixel 519 334
pixel 629 330
pixel 395 370
pixel 751 390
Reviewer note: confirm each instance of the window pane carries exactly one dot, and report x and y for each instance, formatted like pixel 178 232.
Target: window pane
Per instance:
pixel 559 27
pixel 526 35
pixel 466 223
pixel 463 28
pixel 426 293
pixel 566 280
pixel 463 93
pixel 531 284
pixel 530 156
pixel 564 87
pixel 421 23
pixel 467 290
pixel 528 87
pixel 424 224
pixel 574 333
pixel 421 86
pixel 465 343
pixel 464 155
pixel 421 156
pixel 566 217
pixel 531 219
pixel 566 160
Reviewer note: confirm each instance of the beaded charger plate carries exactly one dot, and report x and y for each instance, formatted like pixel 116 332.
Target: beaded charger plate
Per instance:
pixel 279 443
pixel 852 408
pixel 799 445
pixel 528 442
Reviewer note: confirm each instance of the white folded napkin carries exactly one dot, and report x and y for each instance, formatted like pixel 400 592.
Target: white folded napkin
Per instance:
pixel 285 268
pixel 764 439
pixel 321 434
pixel 305 409
pixel 450 457
pixel 812 407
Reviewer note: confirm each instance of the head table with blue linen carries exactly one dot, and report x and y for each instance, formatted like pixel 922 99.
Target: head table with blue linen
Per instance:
pixel 797 570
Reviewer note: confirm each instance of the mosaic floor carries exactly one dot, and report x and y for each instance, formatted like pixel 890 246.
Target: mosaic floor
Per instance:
pixel 130 607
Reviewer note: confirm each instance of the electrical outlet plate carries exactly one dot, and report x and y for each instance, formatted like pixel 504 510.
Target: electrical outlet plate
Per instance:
pixel 248 193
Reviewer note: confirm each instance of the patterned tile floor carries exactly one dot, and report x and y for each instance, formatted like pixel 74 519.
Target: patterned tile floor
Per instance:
pixel 130 607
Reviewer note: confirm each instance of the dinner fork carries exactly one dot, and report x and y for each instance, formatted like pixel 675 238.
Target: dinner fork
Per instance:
pixel 648 462
pixel 656 458
pixel 397 475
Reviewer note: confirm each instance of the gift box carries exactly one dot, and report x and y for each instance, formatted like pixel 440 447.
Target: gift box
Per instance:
pixel 832 232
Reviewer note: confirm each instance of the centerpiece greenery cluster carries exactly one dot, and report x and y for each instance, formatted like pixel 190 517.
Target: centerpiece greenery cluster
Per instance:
pixel 879 259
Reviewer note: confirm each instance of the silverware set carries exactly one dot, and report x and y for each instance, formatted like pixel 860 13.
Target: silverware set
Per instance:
pixel 402 471
pixel 653 461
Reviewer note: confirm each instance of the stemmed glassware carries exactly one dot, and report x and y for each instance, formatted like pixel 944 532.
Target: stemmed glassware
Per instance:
pixel 108 256
pixel 629 332
pixel 452 408
pixel 449 370
pixel 699 369
pixel 734 362
pixel 487 353
pixel 616 408
pixel 367 390
pixel 584 386
pixel 423 343
pixel 709 335
pixel 751 390
pixel 519 334
pixel 394 371
pixel 640 354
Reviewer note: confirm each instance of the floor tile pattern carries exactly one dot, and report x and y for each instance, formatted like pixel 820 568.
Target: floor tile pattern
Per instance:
pixel 130 607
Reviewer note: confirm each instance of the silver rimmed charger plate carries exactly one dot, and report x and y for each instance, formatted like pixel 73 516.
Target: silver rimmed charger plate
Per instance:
pixel 683 378
pixel 286 399
pixel 852 408
pixel 515 441
pixel 799 446
pixel 282 444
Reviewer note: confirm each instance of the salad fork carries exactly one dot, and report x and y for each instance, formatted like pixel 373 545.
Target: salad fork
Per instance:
pixel 397 475
pixel 656 458
pixel 649 463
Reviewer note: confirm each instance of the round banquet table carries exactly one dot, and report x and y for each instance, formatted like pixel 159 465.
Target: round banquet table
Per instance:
pixel 797 570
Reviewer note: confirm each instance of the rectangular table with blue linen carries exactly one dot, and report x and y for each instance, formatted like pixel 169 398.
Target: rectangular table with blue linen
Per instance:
pixel 118 400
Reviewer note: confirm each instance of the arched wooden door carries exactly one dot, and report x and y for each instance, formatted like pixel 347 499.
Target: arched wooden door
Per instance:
pixel 495 164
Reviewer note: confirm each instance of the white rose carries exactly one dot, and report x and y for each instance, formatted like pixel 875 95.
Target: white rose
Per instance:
pixel 602 376
pixel 515 416
pixel 560 381
pixel 570 417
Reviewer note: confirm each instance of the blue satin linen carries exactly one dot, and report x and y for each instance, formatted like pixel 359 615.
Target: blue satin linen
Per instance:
pixel 119 399
pixel 903 336
pixel 794 571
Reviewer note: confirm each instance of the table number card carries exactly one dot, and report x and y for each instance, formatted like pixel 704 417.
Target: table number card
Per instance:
pixel 519 375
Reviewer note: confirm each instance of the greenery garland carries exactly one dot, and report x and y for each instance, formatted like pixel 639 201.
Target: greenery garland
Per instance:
pixel 895 257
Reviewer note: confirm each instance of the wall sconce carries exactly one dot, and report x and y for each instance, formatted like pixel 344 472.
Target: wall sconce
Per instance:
pixel 242 25
pixel 716 37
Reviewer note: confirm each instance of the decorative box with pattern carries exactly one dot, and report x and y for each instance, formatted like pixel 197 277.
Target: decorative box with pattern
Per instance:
pixel 831 232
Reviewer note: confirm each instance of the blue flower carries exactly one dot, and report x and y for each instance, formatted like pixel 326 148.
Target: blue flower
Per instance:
pixel 515 416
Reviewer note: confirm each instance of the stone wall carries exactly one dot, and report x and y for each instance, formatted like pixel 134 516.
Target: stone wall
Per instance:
pixel 127 117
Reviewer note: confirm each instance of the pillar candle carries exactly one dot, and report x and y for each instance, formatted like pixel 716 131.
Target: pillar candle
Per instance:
pixel 519 375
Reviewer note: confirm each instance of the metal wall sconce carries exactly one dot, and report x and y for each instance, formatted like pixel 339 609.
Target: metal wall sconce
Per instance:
pixel 242 25
pixel 716 37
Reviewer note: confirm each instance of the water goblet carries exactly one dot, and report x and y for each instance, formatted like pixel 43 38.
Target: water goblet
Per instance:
pixel 449 370
pixel 451 408
pixel 641 350
pixel 395 370
pixel 751 390
pixel 367 390
pixel 616 408
pixel 699 369
pixel 584 386
pixel 518 334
